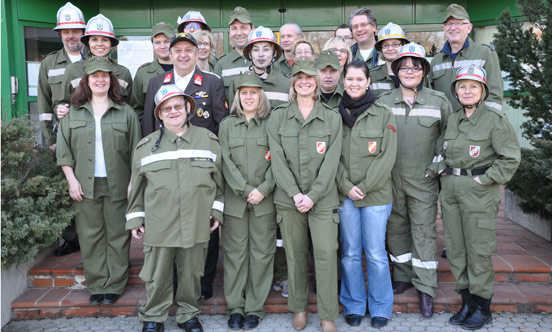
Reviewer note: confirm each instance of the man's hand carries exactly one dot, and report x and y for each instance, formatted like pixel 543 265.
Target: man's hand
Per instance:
pixel 62 111
pixel 216 224
pixel 138 233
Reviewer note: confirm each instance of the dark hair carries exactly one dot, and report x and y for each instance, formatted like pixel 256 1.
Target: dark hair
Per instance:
pixel 417 62
pixel 83 94
pixel 359 65
pixel 363 11
pixel 342 26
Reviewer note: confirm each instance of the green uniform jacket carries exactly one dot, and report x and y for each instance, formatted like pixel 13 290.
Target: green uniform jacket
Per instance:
pixel 275 87
pixel 443 72
pixel 230 66
pixel 335 99
pixel 368 155
pixel 74 73
pixel 140 85
pixel 246 164
pixel 485 139
pixel 76 146
pixel 380 80
pixel 176 188
pixel 420 130
pixel 282 65
pixel 305 154
pixel 212 63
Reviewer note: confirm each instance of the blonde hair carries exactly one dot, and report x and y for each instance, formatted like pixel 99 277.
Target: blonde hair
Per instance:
pixel 264 105
pixel 303 41
pixel 293 93
pixel 332 43
pixel 483 90
pixel 200 35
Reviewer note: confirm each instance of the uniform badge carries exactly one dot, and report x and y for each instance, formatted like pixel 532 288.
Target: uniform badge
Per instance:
pixel 100 27
pixel 67 17
pixel 387 31
pixel 372 146
pixel 474 150
pixel 225 100
pixel 168 78
pixel 198 79
pixel 321 147
pixel 206 114
pixel 411 49
pixel 199 112
pixel 267 155
pixel 259 33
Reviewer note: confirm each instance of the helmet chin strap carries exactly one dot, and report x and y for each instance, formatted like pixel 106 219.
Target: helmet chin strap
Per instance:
pixel 470 107
pixel 267 69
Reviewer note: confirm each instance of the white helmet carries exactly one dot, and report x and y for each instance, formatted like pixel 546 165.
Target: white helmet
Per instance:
pixel 261 34
pixel 192 16
pixel 411 50
pixel 168 91
pixel 473 73
pixel 390 31
pixel 70 17
pixel 99 25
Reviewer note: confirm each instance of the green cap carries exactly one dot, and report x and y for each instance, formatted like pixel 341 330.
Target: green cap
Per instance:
pixel 164 28
pixel 327 58
pixel 250 79
pixel 304 65
pixel 457 12
pixel 241 14
pixel 97 63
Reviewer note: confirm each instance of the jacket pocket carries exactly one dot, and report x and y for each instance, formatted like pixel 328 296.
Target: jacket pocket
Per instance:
pixel 120 139
pixel 148 269
pixel 371 142
pixel 79 134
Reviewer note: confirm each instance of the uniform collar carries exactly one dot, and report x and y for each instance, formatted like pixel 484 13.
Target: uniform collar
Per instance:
pixel 398 96
pixel 62 57
pixel 235 56
pixel 155 67
pixel 172 137
pixel 475 115
pixel 112 105
pixel 316 112
pixel 448 51
pixel 242 119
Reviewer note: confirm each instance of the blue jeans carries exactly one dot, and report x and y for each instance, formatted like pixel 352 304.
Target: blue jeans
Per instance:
pixel 364 228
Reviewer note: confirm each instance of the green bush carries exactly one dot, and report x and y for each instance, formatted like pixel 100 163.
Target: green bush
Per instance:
pixel 36 206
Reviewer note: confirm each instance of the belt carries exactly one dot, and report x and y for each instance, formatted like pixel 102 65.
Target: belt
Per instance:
pixel 465 172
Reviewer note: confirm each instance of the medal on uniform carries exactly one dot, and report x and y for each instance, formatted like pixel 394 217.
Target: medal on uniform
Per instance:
pixel 372 146
pixel 267 155
pixel 206 114
pixel 320 147
pixel 474 150
pixel 199 112
pixel 198 79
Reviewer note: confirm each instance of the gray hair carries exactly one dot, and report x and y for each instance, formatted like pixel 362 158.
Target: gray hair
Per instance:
pixel 363 11
pixel 296 26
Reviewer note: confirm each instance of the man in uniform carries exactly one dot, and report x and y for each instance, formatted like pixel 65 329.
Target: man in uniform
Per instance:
pixel 161 36
pixel 70 25
pixel 289 34
pixel 363 25
pixel 233 64
pixel 178 166
pixel 329 73
pixel 460 51
pixel 211 107
pixel 345 32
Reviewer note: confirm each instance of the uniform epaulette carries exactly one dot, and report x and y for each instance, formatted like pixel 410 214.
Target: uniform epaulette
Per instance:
pixel 498 112
pixel 145 64
pixel 379 103
pixel 437 94
pixel 385 93
pixel 146 139
pixel 52 53
pixel 228 117
pixel 284 105
pixel 213 136
pixel 326 106
pixel 490 46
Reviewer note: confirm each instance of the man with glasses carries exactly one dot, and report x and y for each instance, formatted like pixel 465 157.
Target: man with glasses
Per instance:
pixel 363 25
pixel 460 51
pixel 345 32
pixel 289 33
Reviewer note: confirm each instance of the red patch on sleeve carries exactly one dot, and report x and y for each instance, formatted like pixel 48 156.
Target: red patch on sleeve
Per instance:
pixel 392 128
pixel 225 101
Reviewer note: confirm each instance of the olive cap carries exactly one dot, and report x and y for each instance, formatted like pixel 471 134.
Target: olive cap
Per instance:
pixel 304 65
pixel 457 12
pixel 327 58
pixel 250 79
pixel 97 63
pixel 164 28
pixel 241 14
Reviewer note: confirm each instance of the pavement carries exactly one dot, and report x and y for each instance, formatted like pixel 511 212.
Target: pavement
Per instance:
pixel 410 322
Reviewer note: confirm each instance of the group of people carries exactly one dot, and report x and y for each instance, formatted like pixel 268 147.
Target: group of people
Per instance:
pixel 318 157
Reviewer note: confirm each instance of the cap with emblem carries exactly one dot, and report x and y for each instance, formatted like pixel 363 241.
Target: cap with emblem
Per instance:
pixel 164 28
pixel 457 12
pixel 190 17
pixel 250 79
pixel 261 34
pixel 390 31
pixel 183 36
pixel 70 17
pixel 473 73
pixel 241 14
pixel 168 91
pixel 97 63
pixel 99 25
pixel 304 65
pixel 411 50
pixel 327 58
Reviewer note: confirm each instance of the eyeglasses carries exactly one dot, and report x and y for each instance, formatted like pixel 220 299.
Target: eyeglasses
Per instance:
pixel 338 51
pixel 361 25
pixel 304 53
pixel 179 108
pixel 412 69
pixel 189 26
pixel 204 44
pixel 392 45
pixel 455 24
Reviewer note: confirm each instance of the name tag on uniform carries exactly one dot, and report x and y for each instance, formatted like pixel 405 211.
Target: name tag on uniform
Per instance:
pixel 201 159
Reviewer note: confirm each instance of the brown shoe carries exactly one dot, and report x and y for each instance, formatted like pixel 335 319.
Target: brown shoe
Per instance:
pixel 400 286
pixel 426 304
pixel 328 325
pixel 300 320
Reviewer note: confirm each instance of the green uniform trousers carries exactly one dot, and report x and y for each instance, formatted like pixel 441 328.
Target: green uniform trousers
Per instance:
pixel 280 263
pixel 469 212
pixel 411 230
pixel 322 225
pixel 157 273
pixel 249 244
pixel 104 242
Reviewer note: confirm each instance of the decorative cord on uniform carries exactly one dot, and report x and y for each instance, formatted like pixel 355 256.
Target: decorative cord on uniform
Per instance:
pixel 158 140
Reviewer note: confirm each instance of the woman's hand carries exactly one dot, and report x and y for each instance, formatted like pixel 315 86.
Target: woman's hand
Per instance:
pixel 255 197
pixel 138 233
pixel 477 180
pixel 355 194
pixel 216 224
pixel 75 189
pixel 62 111
pixel 305 204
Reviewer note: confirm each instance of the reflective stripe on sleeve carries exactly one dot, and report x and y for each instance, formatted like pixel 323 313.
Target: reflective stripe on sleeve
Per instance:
pixel 494 105
pixel 381 86
pixel 234 71
pixel 459 64
pixel 277 96
pixel 135 215
pixel 56 72
pixel 123 83
pixel 46 117
pixel 75 82
pixel 179 154
pixel 217 205
pixel 428 265
pixel 404 258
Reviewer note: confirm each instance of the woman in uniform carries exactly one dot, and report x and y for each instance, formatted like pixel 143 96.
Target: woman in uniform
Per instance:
pixel 339 46
pixel 206 60
pixel 305 140
pixel 249 231
pixel 421 116
pixel 95 145
pixel 482 152
pixel 364 182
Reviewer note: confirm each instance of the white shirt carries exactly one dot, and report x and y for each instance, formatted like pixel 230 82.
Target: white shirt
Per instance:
pixel 99 158
pixel 366 53
pixel 74 58
pixel 182 82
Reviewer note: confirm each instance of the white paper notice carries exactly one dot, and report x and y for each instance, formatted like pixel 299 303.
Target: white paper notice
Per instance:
pixel 32 77
pixel 134 53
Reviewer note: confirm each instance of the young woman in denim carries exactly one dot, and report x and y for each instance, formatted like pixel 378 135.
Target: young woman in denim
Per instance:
pixel 364 182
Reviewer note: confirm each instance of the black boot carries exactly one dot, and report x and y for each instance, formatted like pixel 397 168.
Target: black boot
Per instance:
pixel 481 314
pixel 465 311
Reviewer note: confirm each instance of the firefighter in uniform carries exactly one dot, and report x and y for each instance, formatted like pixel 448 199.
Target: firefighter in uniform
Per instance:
pixel 191 22
pixel 421 115
pixel 289 34
pixel 161 36
pixel 178 166
pixel 99 37
pixel 261 50
pixel 234 63
pixel 305 140
pixel 249 231
pixel 390 39
pixel 329 72
pixel 481 153
pixel 461 51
